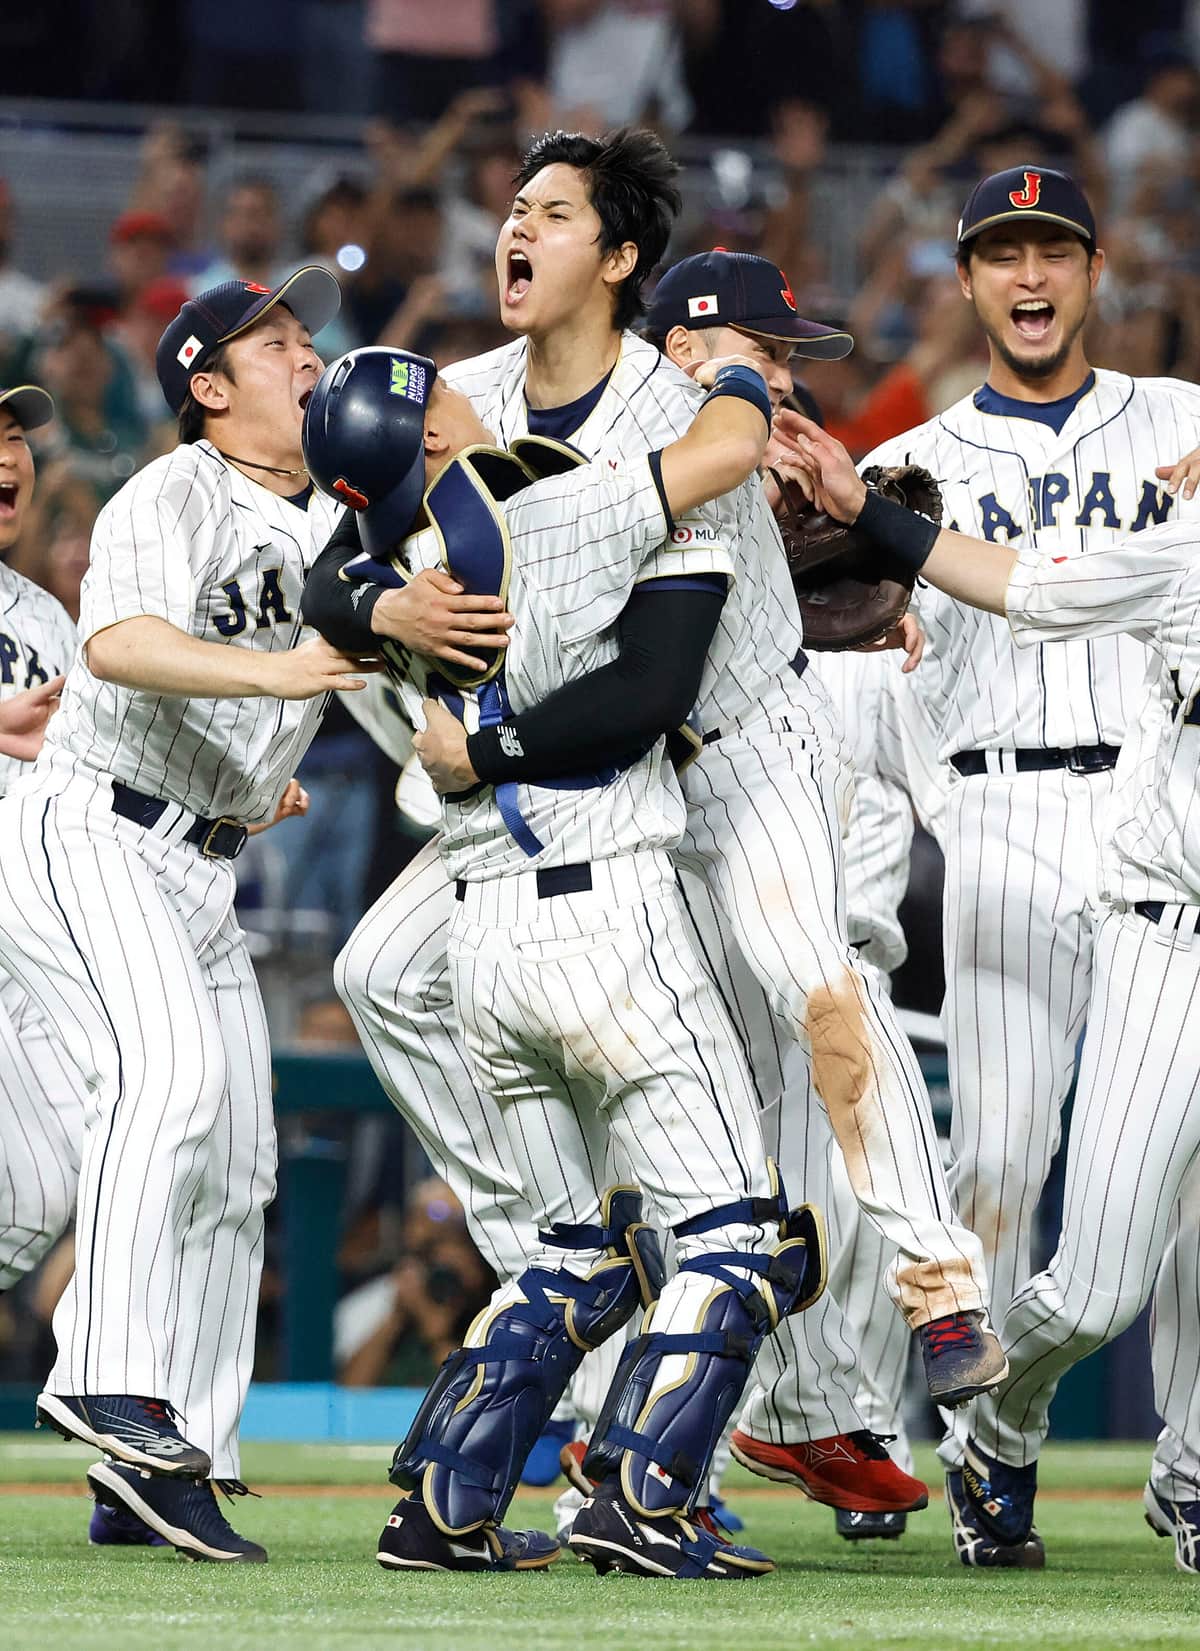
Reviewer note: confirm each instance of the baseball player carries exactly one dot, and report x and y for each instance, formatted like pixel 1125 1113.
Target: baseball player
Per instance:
pixel 814 1418
pixel 565 251
pixel 192 699
pixel 1047 447
pixel 41 1093
pixel 583 1010
pixel 1135 1132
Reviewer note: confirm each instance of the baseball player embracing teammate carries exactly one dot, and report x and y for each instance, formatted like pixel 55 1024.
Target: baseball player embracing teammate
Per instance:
pixel 1135 1133
pixel 1047 451
pixel 192 701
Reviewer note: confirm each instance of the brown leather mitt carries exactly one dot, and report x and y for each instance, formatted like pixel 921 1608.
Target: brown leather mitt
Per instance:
pixel 850 592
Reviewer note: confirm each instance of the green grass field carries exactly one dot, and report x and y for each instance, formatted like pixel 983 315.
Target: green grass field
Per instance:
pixel 1108 1582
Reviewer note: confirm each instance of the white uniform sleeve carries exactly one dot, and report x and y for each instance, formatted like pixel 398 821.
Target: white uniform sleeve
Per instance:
pixel 906 753
pixel 1053 595
pixel 584 539
pixel 147 544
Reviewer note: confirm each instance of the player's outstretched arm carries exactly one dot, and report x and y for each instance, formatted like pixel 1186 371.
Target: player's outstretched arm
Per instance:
pixel 154 656
pixel 726 441
pixel 972 570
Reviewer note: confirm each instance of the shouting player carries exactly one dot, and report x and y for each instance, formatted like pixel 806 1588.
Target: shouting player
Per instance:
pixel 1048 447
pixel 41 1092
pixel 1135 1133
pixel 181 723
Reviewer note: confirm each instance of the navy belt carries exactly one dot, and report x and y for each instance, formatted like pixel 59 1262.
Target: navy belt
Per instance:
pixel 799 664
pixel 1152 910
pixel 551 880
pixel 1079 759
pixel 221 839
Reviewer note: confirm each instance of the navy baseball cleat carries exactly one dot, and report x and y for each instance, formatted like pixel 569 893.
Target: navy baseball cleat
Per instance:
pixel 117 1528
pixel 139 1432
pixel 863 1527
pixel 1000 1497
pixel 183 1513
pixel 963 1358
pixel 610 1535
pixel 411 1541
pixel 976 1547
pixel 1178 1519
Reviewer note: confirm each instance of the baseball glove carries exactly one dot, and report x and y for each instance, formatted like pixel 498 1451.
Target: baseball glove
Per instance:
pixel 850 592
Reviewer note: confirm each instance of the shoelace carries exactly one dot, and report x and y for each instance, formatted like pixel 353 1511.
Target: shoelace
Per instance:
pixel 234 1487
pixel 872 1445
pixel 160 1409
pixel 956 1332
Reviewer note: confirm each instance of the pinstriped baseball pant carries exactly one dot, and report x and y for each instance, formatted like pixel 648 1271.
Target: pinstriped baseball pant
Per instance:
pixel 42 1098
pixel 839 1366
pixel 1131 1209
pixel 764 831
pixel 127 942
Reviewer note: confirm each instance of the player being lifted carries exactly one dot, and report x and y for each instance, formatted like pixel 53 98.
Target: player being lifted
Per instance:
pixel 1135 1131
pixel 179 729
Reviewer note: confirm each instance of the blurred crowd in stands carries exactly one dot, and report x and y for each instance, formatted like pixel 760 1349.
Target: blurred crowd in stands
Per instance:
pixel 444 96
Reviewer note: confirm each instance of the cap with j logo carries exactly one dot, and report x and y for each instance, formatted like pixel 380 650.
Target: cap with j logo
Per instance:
pixel 1037 192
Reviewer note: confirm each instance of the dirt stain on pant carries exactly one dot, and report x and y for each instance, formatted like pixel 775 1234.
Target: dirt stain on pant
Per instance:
pixel 845 1073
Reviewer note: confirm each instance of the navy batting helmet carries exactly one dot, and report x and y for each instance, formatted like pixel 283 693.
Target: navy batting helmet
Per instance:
pixel 363 439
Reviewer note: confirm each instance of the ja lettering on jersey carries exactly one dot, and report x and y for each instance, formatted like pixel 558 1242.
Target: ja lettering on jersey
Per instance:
pixel 1149 586
pixel 193 541
pixel 579 542
pixel 37 642
pixel 647 404
pixel 1014 480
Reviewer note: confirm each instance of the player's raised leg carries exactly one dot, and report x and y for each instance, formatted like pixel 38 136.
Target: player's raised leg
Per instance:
pixel 742 793
pixel 1134 1136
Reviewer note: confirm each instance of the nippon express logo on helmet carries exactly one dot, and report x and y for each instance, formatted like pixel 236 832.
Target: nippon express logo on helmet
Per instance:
pixel 695 536
pixel 408 380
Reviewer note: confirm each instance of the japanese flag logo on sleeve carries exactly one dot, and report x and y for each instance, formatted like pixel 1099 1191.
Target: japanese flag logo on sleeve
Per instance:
pixel 189 350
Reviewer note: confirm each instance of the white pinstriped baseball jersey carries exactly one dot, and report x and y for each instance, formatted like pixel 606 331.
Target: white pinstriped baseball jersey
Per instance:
pixel 193 541
pixel 1148 585
pixel 648 403
pixel 1013 479
pixel 580 542
pixel 37 642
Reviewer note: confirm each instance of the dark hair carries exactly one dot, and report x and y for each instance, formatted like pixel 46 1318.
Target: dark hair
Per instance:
pixel 631 184
pixel 192 415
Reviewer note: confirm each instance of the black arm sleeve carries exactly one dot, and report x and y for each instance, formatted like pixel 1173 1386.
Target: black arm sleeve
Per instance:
pixel 615 713
pixel 340 610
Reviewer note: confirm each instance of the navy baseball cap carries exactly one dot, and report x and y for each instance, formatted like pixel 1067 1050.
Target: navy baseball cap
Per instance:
pixel 1028 192
pixel 739 289
pixel 221 313
pixel 30 406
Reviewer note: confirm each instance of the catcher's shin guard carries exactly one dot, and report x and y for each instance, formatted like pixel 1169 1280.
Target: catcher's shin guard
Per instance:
pixel 491 1399
pixel 660 1425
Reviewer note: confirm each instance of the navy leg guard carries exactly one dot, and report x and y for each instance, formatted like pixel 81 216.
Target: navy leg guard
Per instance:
pixel 490 1400
pixel 659 1434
